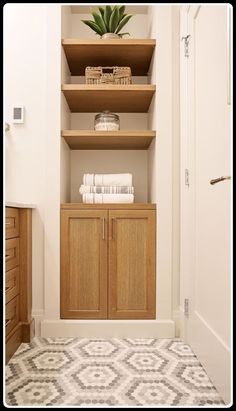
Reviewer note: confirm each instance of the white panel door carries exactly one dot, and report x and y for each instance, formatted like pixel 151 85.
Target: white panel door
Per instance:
pixel 206 224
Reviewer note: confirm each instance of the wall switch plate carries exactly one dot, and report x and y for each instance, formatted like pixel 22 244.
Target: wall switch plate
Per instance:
pixel 18 114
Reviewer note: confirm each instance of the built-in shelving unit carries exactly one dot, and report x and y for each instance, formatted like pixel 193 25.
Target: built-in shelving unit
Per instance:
pixel 108 140
pixel 135 98
pixel 89 98
pixel 134 53
pixel 132 148
pixel 115 227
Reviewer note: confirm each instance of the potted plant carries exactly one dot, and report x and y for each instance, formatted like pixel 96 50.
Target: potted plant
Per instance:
pixel 109 21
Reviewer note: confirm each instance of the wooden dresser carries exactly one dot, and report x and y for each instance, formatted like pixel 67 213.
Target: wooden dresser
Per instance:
pixel 19 325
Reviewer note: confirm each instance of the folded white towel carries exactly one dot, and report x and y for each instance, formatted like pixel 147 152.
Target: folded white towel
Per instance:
pixel 124 179
pixel 106 189
pixel 91 198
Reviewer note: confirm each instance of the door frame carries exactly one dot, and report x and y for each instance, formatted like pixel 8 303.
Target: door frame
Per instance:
pixel 220 377
pixel 186 191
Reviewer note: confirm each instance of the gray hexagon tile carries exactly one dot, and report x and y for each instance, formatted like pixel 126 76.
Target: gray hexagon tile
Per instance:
pixel 107 372
pixel 143 362
pixel 98 348
pixel 96 376
pixel 159 391
pixel 36 391
pixel 49 361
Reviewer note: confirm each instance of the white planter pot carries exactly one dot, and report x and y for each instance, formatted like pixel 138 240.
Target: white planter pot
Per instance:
pixel 110 36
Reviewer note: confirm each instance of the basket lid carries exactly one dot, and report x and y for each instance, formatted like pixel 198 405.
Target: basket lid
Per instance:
pixel 106 113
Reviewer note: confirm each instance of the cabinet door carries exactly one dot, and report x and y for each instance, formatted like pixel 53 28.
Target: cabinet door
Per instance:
pixel 84 264
pixel 132 268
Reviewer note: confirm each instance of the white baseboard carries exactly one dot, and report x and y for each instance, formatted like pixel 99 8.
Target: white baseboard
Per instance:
pixel 38 316
pixel 108 328
pixel 214 355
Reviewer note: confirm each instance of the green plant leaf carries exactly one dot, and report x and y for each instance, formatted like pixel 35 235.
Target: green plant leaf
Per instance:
pixel 101 9
pixel 93 26
pixel 102 12
pixel 107 15
pixel 99 21
pixel 114 20
pixel 121 12
pixel 123 22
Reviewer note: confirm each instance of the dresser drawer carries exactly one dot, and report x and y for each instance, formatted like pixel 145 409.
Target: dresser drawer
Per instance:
pixel 12 314
pixel 12 284
pixel 12 253
pixel 12 222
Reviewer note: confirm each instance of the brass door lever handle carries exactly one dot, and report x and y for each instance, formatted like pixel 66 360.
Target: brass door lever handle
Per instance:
pixel 217 180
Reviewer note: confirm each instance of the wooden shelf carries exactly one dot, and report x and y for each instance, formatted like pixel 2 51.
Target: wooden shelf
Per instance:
pixel 87 98
pixel 134 53
pixel 120 206
pixel 108 140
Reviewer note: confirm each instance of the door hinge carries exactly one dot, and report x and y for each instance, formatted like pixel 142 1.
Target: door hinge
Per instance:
pixel 186 44
pixel 186 307
pixel 187 177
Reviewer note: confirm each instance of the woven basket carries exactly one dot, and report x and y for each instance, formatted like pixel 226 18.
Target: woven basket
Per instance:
pixel 108 75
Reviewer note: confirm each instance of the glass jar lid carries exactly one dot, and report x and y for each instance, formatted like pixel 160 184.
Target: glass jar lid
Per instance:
pixel 107 114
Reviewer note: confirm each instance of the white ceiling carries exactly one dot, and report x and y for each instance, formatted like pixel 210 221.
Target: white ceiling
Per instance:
pixel 135 9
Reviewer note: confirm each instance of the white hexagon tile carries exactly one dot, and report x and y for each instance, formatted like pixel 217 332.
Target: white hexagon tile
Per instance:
pixel 101 372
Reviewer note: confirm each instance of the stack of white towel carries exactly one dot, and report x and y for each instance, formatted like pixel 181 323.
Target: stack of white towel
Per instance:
pixel 107 188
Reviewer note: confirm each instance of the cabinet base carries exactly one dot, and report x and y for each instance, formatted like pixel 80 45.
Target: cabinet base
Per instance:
pixel 28 331
pixel 13 340
pixel 22 333
pixel 108 328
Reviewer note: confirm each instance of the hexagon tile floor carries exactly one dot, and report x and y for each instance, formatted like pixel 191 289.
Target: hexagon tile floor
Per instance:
pixel 100 372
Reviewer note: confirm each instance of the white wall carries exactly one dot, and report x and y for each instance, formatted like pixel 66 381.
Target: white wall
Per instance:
pixel 52 161
pixel 65 112
pixel 32 149
pixel 26 144
pixel 160 153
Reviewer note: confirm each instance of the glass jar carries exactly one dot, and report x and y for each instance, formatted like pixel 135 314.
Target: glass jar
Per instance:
pixel 107 121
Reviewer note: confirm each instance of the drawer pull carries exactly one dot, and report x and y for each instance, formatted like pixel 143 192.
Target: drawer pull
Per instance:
pixel 7 223
pixel 103 228
pixel 7 288
pixel 7 255
pixel 113 220
pixel 8 321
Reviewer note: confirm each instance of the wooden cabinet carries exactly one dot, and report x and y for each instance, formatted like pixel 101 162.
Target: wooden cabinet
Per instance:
pixel 84 264
pixel 132 264
pixel 19 325
pixel 108 262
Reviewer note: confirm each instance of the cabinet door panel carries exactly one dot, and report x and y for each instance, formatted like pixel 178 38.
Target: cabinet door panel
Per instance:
pixel 84 264
pixel 132 264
